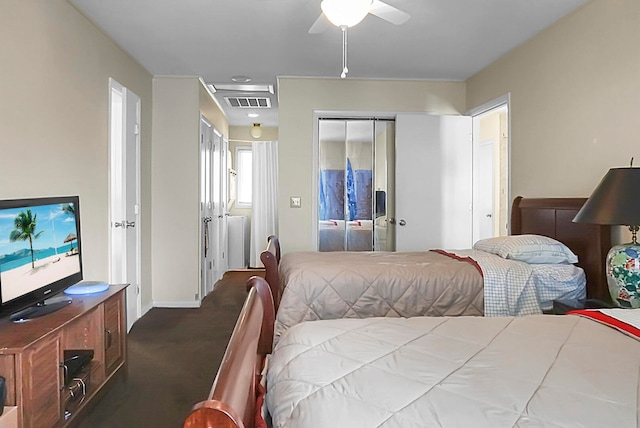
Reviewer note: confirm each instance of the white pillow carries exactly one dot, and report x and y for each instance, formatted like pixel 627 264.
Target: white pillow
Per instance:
pixel 528 248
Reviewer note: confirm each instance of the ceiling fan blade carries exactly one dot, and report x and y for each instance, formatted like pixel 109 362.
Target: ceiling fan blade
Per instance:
pixel 320 25
pixel 388 12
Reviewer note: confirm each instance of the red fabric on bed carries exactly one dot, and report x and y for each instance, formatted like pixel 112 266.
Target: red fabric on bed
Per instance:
pixel 462 259
pixel 608 320
pixel 260 392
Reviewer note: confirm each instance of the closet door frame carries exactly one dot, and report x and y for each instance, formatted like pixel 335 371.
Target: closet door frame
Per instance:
pixel 317 115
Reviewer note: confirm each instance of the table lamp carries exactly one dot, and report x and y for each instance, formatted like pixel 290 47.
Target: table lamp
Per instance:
pixel 616 201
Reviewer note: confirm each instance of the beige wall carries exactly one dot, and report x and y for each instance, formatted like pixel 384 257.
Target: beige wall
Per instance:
pixel 240 135
pixel 298 99
pixel 175 177
pixel 54 102
pixel 575 100
pixel 177 104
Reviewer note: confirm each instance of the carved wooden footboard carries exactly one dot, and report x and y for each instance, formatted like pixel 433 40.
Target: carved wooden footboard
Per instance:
pixel 232 400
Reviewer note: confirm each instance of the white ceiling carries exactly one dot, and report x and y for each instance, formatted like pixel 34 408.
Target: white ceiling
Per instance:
pixel 263 39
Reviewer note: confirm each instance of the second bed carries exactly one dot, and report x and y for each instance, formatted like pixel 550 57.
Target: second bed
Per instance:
pixel 517 275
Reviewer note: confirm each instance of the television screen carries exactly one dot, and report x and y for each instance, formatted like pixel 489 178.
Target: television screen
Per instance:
pixel 40 250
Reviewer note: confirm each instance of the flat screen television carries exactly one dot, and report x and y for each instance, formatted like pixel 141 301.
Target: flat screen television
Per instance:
pixel 40 254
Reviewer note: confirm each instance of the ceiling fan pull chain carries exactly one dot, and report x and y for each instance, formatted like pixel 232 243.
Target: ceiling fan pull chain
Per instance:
pixel 345 70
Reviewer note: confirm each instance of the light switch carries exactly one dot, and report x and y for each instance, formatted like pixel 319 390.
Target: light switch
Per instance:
pixel 295 202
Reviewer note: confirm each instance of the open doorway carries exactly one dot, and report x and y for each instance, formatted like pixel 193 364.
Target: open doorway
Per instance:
pixel 491 170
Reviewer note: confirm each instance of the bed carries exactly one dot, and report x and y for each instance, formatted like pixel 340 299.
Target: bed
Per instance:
pixel 312 285
pixel 540 370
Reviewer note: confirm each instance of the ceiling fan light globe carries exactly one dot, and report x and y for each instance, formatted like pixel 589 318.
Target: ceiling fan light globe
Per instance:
pixel 345 13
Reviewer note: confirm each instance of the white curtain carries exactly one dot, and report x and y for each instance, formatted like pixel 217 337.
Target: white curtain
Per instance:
pixel 264 198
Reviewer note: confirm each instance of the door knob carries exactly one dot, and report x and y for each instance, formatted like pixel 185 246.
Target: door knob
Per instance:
pixel 392 220
pixel 129 224
pixel 489 215
pixel 402 222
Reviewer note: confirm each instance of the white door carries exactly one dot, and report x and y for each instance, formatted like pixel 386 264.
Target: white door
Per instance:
pixel 483 213
pixel 220 213
pixel 207 234
pixel 492 200
pixel 224 203
pixel 433 182
pixel 124 149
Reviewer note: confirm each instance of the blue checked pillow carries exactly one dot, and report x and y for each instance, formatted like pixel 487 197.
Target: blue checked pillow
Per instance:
pixel 535 249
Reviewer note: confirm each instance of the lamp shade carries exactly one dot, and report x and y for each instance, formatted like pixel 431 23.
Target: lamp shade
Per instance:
pixel 615 201
pixel 345 13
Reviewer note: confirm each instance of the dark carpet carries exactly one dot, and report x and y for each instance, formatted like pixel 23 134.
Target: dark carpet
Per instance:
pixel 173 356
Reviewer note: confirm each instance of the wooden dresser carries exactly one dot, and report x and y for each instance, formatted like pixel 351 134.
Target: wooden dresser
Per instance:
pixel 31 356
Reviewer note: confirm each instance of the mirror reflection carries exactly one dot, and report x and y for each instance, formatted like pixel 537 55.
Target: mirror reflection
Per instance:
pixel 353 197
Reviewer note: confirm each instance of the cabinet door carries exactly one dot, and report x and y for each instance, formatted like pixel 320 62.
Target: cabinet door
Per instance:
pixel 113 333
pixel 41 388
pixel 8 371
pixel 83 333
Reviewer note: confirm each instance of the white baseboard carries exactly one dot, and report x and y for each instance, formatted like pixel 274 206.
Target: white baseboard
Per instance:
pixel 186 304
pixel 146 309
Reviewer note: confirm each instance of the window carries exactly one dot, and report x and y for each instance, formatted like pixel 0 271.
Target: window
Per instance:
pixel 244 169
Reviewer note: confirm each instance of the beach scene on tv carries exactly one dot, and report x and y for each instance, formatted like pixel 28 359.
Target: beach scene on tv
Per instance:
pixel 38 246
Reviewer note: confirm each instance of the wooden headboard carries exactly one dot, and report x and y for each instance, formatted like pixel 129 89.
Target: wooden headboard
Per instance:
pixel 270 258
pixel 553 217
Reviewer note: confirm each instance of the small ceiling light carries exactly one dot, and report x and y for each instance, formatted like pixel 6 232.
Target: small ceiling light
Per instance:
pixel 240 79
pixel 253 115
pixel 345 13
pixel 256 131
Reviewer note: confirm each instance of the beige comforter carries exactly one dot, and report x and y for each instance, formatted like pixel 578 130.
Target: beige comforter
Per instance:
pixel 369 284
pixel 533 371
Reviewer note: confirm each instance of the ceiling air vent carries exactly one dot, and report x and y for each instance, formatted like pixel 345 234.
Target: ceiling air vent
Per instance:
pixel 249 102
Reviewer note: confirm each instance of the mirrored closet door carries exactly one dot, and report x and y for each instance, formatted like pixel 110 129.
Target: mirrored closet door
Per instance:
pixel 353 192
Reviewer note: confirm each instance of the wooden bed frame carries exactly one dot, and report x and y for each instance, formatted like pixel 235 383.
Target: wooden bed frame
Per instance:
pixel 552 217
pixel 232 402
pixel 270 258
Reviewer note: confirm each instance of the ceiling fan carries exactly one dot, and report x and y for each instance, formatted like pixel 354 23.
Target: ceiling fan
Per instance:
pixel 350 12
pixel 347 13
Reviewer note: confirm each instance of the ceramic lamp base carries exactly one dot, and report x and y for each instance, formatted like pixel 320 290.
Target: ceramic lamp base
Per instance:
pixel 623 275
